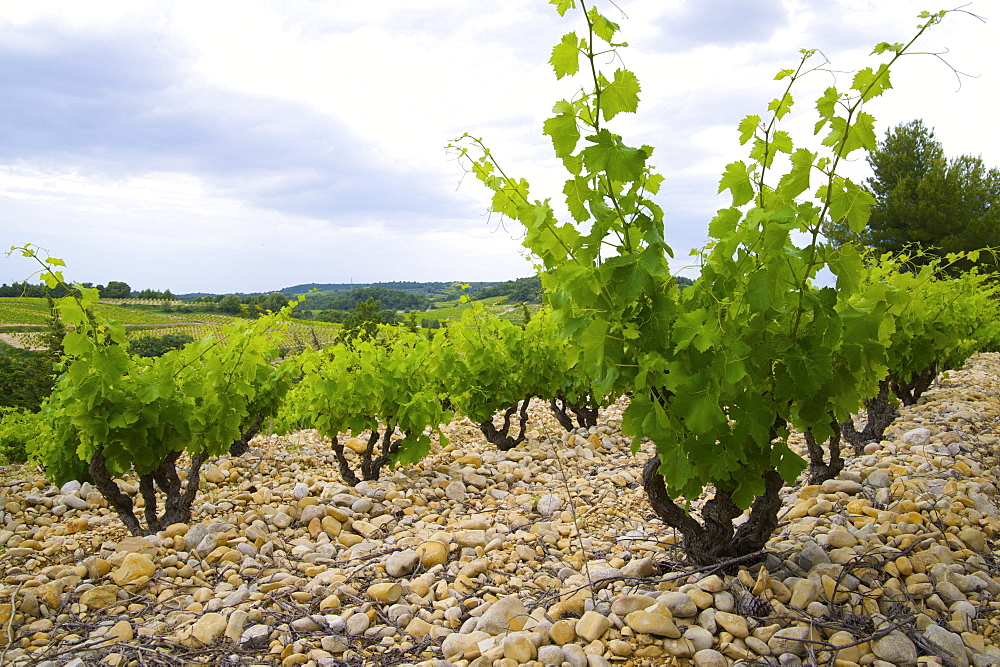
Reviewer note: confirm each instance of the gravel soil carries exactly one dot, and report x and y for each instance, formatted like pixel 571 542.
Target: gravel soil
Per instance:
pixel 547 554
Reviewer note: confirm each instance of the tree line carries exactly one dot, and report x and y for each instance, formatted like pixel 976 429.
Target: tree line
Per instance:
pixel 115 289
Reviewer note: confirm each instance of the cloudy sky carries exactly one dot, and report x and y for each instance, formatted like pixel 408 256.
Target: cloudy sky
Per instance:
pixel 251 145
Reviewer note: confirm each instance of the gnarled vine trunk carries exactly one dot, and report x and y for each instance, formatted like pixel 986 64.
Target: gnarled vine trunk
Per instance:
pixel 371 464
pixel 715 538
pixel 178 498
pixel 178 495
pixel 242 445
pixel 564 411
pixel 501 437
pixel 880 412
pixel 819 469
pixel 909 391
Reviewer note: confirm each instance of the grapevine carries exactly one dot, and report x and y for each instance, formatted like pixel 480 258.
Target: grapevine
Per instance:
pixel 719 372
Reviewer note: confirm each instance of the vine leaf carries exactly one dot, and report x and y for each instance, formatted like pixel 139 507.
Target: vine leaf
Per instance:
pixel 608 154
pixel 566 55
pixel 736 179
pixel 621 95
pixel 562 129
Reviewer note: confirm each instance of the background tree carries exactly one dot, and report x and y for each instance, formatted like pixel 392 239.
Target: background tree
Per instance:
pixel 924 199
pixel 230 303
pixel 116 290
pixel 156 346
pixel 273 302
pixel 362 323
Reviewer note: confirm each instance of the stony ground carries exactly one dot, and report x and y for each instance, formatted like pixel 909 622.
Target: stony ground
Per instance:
pixel 545 555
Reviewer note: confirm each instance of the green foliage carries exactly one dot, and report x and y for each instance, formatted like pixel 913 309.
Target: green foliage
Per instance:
pixel 925 200
pixel 522 290
pixel 112 413
pixel 18 427
pixel 385 387
pixel 229 304
pixel 116 289
pixel 362 323
pixel 26 377
pixel 941 322
pixel 155 346
pixel 718 370
pixel 390 299
pixel 489 364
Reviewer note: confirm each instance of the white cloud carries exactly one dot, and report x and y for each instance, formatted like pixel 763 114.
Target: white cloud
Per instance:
pixel 250 145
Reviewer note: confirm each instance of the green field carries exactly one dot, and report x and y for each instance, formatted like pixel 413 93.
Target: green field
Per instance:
pixel 451 311
pixel 23 319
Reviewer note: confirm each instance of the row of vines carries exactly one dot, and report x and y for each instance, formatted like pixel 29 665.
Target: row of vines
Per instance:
pixel 717 374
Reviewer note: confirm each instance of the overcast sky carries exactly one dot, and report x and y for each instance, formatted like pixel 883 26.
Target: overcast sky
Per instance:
pixel 246 146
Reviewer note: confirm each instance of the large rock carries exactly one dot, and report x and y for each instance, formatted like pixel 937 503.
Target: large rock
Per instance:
pixel 896 648
pixel 458 645
pixel 402 563
pixel 652 623
pixel 133 568
pixel 624 605
pixel 508 614
pixel 790 640
pixel 99 597
pixel 733 624
pixel 209 628
pixel 916 437
pixel 953 648
pixel 549 504
pixel 680 604
pixel 255 636
pixel 592 625
pixel 519 647
pixel 709 658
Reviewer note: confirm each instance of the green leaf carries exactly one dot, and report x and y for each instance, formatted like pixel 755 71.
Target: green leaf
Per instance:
pixel 796 181
pixel 851 203
pixel 870 83
pixel 783 73
pixel 846 139
pixel 848 266
pixel 625 277
pixel 578 193
pixel 882 47
pixel 782 141
pixel 620 95
pixel 788 463
pixel 653 183
pixel 698 405
pixel 781 106
pixel 826 105
pixel 674 467
pixel 748 127
pixel 724 223
pixel 563 132
pixel 593 339
pixel 609 155
pixel 736 179
pixel 603 28
pixel 565 58
pixel 808 368
pixel 563 6
pixel 695 328
pixel 758 294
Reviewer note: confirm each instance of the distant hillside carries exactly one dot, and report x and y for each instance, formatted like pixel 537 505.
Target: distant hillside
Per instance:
pixel 432 291
pixel 522 290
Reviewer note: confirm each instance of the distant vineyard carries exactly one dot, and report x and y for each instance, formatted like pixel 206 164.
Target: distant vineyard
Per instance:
pixel 288 334
pixel 21 311
pixel 22 319
pixel 140 302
